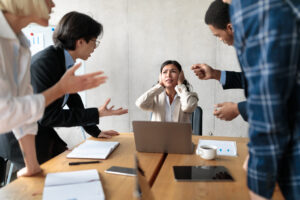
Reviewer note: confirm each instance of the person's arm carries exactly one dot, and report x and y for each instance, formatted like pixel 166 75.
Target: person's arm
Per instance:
pixel 76 115
pixel 20 110
pixel 234 80
pixel 92 129
pixel 242 106
pixel 17 111
pixel 226 111
pixel 188 100
pixel 70 83
pixel 206 72
pixel 47 69
pixel 88 118
pixel 27 144
pixel 146 101
pixel 75 101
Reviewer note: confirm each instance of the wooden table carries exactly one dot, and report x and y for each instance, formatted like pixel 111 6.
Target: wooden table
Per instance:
pixel 166 187
pixel 115 186
pixel 158 169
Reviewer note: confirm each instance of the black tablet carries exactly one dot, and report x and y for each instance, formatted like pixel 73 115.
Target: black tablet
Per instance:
pixel 121 171
pixel 201 173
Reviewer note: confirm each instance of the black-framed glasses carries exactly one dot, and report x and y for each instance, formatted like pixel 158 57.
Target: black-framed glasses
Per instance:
pixel 97 43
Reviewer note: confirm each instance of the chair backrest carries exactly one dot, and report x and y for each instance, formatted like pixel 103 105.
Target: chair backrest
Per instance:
pixel 196 120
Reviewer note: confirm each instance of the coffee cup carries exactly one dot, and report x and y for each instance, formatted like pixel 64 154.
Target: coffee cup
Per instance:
pixel 207 152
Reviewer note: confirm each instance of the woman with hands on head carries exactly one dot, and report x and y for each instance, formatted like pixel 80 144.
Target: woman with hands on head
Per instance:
pixel 171 99
pixel 19 108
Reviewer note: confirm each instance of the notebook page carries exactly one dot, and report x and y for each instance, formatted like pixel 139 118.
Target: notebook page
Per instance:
pixel 93 149
pixel 84 184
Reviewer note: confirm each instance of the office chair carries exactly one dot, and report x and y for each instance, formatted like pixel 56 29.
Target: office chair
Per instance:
pixel 11 156
pixel 196 120
pixel 3 168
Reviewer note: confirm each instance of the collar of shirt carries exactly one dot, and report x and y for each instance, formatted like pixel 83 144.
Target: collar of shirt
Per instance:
pixel 169 109
pixel 68 59
pixel 6 31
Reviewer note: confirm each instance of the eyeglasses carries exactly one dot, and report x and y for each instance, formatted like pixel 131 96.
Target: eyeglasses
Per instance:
pixel 97 43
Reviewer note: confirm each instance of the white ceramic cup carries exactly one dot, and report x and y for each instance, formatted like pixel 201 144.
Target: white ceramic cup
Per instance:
pixel 207 152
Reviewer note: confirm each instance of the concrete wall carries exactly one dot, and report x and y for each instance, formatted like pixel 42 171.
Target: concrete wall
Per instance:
pixel 138 36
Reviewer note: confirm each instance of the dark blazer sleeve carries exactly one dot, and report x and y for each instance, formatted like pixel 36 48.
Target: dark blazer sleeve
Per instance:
pixel 75 102
pixel 242 106
pixel 233 80
pixel 47 68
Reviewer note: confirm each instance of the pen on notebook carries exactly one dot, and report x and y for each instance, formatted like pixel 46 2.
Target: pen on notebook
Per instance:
pixel 86 162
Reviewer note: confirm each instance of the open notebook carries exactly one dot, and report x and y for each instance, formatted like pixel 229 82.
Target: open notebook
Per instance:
pixel 79 185
pixel 93 149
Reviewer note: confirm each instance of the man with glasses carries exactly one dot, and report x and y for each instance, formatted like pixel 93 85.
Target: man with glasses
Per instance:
pixel 75 37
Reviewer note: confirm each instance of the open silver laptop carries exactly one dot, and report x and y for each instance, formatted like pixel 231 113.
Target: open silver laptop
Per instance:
pixel 163 137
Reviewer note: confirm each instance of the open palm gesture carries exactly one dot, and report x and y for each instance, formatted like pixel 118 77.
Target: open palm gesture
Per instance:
pixel 105 111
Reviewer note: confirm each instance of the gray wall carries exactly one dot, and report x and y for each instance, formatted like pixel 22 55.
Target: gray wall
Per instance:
pixel 138 36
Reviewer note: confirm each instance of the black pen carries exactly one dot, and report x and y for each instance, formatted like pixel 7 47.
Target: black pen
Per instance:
pixel 87 162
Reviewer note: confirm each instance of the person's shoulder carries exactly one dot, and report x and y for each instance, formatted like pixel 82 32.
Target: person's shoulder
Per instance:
pixel 49 54
pixel 49 51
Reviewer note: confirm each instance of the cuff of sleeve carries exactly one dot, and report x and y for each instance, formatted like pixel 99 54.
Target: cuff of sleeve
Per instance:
pixel 180 89
pixel 242 106
pixel 159 87
pixel 28 129
pixel 39 108
pixel 223 78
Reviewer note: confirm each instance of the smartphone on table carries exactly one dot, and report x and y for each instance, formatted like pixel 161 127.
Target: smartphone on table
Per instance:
pixel 121 171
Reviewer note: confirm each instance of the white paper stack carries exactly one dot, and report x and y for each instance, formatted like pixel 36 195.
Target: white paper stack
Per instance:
pixel 225 148
pixel 93 150
pixel 76 185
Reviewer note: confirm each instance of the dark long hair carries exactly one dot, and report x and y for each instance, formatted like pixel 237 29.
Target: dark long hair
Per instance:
pixel 178 66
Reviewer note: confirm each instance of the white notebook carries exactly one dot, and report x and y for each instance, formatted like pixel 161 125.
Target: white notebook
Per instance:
pixel 225 148
pixel 79 185
pixel 93 149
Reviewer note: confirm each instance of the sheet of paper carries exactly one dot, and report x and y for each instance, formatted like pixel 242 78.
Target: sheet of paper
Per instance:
pixel 77 185
pixel 93 149
pixel 225 148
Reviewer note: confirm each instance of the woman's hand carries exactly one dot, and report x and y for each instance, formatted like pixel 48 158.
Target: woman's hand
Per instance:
pixel 104 111
pixel 108 134
pixel 160 80
pixel 180 78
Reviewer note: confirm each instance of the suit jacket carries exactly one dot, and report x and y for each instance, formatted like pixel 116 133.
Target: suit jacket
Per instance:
pixel 238 80
pixel 47 67
pixel 154 100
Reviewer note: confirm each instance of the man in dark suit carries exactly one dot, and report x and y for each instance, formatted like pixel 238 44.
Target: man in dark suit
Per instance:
pixel 218 20
pixel 74 37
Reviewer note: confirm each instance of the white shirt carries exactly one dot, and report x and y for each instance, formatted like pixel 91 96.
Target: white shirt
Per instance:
pixel 19 108
pixel 170 109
